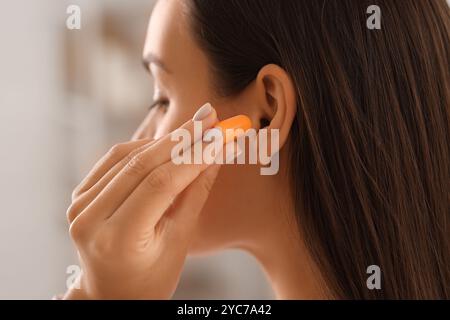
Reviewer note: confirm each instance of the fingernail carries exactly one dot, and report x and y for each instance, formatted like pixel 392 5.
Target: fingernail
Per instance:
pixel 203 112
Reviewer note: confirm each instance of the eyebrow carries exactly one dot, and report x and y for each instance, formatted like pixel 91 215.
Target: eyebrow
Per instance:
pixel 151 58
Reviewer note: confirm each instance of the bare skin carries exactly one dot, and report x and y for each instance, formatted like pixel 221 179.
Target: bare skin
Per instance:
pixel 238 209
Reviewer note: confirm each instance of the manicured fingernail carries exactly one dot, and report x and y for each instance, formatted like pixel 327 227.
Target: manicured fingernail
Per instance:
pixel 203 112
pixel 230 126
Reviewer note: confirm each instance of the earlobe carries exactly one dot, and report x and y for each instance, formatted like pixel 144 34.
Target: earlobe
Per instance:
pixel 279 106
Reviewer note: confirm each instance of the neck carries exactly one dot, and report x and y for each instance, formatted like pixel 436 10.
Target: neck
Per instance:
pixel 289 268
pixel 283 255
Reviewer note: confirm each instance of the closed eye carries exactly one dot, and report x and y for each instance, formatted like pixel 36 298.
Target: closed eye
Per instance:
pixel 160 103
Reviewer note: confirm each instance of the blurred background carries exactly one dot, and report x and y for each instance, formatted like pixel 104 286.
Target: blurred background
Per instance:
pixel 66 96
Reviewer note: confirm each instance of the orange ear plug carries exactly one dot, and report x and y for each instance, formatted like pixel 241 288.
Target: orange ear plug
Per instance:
pixel 229 126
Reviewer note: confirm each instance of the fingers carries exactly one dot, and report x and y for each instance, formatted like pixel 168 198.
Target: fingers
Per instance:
pixel 84 199
pixel 143 209
pixel 132 173
pixel 114 155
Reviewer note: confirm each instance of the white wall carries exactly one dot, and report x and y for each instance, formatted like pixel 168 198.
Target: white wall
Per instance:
pixel 49 140
pixel 33 242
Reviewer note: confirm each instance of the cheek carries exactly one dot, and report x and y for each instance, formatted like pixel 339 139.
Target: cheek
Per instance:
pixel 182 108
pixel 167 124
pixel 177 115
pixel 230 107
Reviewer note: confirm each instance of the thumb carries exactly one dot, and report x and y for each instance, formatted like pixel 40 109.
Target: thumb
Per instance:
pixel 186 210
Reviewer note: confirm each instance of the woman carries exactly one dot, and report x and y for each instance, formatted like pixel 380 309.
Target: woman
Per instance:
pixel 363 119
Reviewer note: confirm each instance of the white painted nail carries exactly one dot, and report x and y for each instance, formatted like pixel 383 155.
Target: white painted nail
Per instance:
pixel 203 112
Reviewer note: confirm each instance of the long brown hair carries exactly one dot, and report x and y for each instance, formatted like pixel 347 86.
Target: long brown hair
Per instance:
pixel 370 147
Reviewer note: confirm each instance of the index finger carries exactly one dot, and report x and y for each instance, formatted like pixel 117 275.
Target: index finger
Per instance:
pixel 132 174
pixel 148 203
pixel 109 160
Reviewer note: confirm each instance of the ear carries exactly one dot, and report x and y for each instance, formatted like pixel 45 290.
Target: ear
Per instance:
pixel 276 96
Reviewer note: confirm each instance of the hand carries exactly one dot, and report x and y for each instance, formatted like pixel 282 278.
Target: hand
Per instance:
pixel 133 217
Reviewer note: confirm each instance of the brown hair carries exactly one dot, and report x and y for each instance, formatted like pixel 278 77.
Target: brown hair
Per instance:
pixel 370 147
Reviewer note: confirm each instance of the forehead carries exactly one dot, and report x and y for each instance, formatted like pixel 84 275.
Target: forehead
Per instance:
pixel 170 39
pixel 167 30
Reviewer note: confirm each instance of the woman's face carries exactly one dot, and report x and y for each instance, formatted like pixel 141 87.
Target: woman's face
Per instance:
pixel 182 80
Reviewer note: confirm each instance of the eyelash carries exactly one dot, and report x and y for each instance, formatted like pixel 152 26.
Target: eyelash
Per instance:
pixel 159 103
